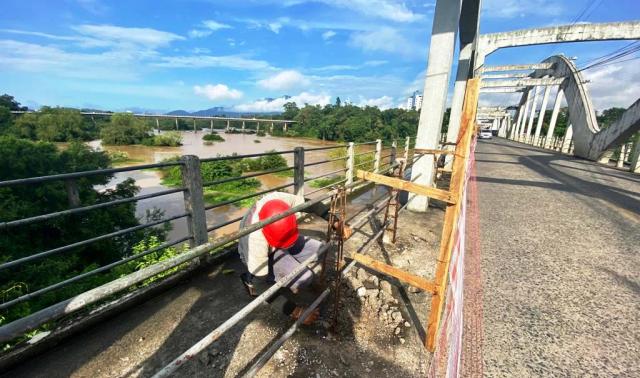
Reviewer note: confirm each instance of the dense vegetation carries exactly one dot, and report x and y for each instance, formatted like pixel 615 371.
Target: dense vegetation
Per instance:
pixel 219 170
pixel 24 158
pixel 349 122
pixel 212 137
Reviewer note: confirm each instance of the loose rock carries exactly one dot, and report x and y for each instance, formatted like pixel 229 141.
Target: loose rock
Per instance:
pixel 385 286
pixel 361 291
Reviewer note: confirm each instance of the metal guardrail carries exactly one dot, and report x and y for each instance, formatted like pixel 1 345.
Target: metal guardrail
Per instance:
pixel 195 212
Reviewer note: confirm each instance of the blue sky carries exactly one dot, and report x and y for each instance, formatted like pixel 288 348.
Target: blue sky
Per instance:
pixel 195 54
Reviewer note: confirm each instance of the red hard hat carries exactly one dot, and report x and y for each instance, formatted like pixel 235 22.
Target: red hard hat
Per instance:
pixel 282 233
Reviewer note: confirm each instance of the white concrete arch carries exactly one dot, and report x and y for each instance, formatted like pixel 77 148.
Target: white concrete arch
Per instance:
pixel 590 142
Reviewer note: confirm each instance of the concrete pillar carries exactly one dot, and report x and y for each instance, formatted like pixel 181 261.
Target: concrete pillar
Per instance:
pixel 516 129
pixel 534 103
pixel 606 156
pixel 157 124
pixel 271 128
pixel 554 115
pixel 468 25
pixel 194 126
pixel 285 127
pixel 228 125
pixel 543 109
pixel 440 58
pixel 566 142
pixel 623 151
pixel 243 126
pixel 525 115
pixel 258 128
pixel 635 156
pixel 211 126
pixel 177 124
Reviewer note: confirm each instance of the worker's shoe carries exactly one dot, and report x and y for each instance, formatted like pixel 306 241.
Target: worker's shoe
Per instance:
pixel 247 281
pixel 313 316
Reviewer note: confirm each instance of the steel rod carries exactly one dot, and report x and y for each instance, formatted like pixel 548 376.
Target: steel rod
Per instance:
pixel 88 241
pixel 231 179
pixel 223 203
pixel 325 161
pixel 44 217
pixel 326 148
pixel 325 174
pixel 219 225
pixel 238 316
pixel 90 273
pixel 236 157
pixel 97 172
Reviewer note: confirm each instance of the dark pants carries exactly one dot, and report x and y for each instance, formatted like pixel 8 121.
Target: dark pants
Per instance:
pixel 281 263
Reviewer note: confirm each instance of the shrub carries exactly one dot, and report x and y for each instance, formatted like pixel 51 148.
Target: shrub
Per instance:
pixel 213 137
pixel 168 139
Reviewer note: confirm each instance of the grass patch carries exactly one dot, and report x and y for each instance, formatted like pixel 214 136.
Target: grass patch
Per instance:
pixel 213 137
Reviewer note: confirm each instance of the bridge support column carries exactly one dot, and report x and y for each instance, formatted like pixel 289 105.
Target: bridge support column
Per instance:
pixel 271 128
pixel 243 126
pixel 623 152
pixel 258 128
pixel 566 142
pixel 468 25
pixel 525 115
pixel 285 127
pixel 516 128
pixel 635 156
pixel 211 126
pixel 554 116
pixel 228 125
pixel 532 116
pixel 440 58
pixel 177 124
pixel 543 109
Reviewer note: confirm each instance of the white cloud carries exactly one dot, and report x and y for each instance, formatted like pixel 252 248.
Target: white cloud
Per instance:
pixel 328 35
pixel 218 92
pixel 385 39
pixel 284 80
pixel 519 8
pixel 235 62
pixel 275 27
pixel 197 33
pixel 610 85
pixel 215 25
pixel 384 102
pixel 277 104
pixel 392 10
pixel 110 34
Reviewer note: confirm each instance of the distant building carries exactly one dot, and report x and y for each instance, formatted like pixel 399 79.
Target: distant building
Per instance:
pixel 414 102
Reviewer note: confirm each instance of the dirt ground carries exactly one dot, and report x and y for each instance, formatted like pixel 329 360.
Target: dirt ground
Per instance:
pixel 380 324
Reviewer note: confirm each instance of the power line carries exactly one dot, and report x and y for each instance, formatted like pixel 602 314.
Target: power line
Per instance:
pixel 608 58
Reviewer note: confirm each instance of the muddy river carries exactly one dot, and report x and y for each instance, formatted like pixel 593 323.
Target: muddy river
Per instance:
pixel 150 181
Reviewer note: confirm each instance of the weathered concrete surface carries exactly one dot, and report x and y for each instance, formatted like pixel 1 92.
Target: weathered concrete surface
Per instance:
pixel 516 67
pixel 527 82
pixel 562 33
pixel 560 255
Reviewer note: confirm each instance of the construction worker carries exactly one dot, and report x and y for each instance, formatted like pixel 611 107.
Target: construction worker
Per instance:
pixel 278 248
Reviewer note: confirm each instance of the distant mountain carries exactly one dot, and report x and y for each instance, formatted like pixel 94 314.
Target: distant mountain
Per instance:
pixel 179 113
pixel 215 111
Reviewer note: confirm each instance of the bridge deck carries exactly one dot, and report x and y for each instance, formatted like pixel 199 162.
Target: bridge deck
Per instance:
pixel 560 263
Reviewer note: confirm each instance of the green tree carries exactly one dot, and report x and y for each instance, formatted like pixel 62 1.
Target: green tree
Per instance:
pixel 290 110
pixel 609 116
pixel 60 125
pixel 24 158
pixel 5 120
pixel 10 103
pixel 124 129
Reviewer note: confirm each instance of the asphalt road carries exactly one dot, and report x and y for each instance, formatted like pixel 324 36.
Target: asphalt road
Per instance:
pixel 560 264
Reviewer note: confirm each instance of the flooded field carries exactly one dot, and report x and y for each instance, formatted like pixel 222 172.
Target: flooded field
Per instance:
pixel 150 181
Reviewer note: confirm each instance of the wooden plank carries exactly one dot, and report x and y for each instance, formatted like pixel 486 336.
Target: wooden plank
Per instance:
pixel 408 186
pixel 427 151
pixel 452 213
pixel 408 278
